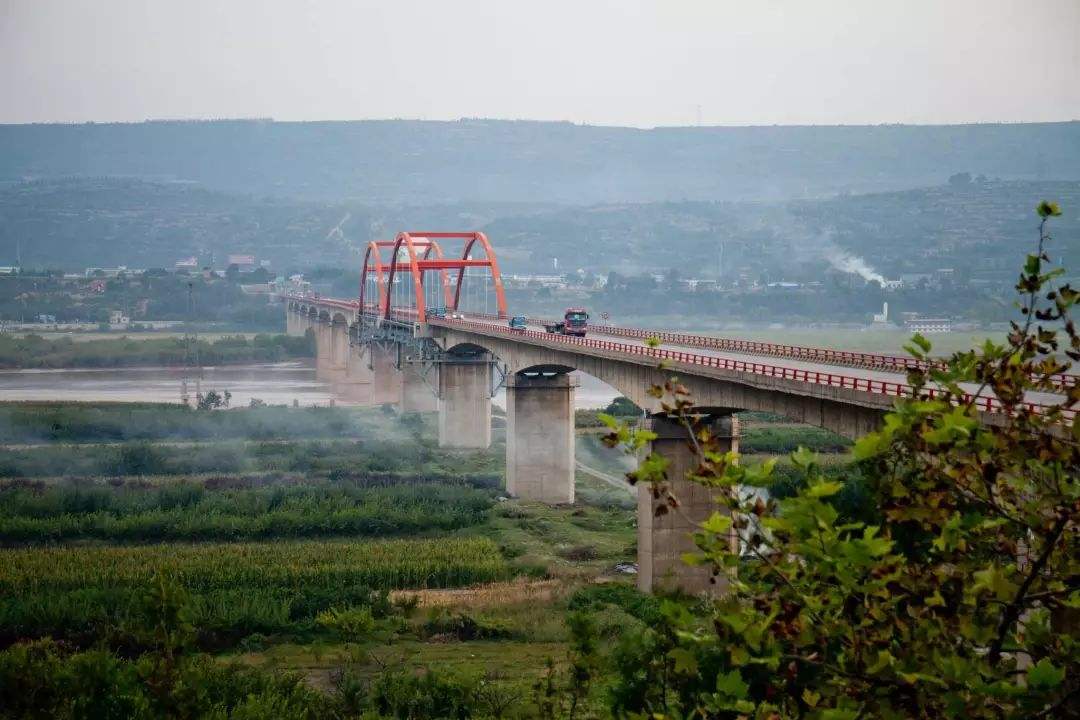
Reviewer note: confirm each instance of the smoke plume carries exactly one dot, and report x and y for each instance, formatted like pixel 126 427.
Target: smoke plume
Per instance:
pixel 849 263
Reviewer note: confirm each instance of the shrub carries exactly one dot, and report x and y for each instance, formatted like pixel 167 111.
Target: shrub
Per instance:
pixel 351 623
pixel 462 626
pixel 426 696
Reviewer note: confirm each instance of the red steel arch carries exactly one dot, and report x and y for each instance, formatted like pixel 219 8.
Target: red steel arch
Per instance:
pixel 417 266
pixel 382 282
pixel 378 267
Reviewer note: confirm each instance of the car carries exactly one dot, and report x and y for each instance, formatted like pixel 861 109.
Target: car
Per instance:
pixel 519 322
pixel 439 312
pixel 457 316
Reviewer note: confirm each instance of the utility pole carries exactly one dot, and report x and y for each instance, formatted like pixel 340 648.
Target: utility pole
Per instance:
pixel 192 366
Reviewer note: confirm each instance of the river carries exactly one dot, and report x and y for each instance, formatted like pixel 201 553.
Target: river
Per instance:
pixel 275 384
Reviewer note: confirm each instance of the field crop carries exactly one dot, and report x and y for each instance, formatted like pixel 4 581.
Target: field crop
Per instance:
pixel 233 589
pixel 186 510
pixel 314 457
pixel 47 422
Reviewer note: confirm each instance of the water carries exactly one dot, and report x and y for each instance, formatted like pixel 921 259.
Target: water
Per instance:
pixel 275 384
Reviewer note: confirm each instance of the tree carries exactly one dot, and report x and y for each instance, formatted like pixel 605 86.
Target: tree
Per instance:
pixel 960 599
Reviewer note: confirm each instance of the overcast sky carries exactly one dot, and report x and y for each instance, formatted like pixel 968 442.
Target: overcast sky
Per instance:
pixel 614 62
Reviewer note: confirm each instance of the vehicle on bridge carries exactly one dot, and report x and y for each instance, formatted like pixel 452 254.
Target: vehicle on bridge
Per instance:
pixel 519 322
pixel 574 322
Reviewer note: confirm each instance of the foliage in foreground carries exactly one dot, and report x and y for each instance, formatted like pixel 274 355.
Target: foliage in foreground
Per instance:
pixel 961 601
pixel 166 677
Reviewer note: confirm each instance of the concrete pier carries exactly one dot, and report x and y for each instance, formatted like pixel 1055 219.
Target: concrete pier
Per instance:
pixel 540 437
pixel 417 393
pixel 465 402
pixel 296 323
pixel 357 383
pixel 664 539
pixel 331 351
pixel 386 379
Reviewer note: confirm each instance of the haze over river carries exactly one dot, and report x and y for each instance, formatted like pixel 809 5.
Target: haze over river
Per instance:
pixel 275 384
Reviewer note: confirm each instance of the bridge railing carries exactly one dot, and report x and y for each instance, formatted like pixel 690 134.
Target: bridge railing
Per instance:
pixel 984 403
pixel 828 356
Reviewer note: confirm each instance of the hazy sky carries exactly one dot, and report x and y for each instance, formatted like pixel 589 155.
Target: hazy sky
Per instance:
pixel 617 62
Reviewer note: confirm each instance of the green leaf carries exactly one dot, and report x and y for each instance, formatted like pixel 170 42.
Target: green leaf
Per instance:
pixel 825 488
pixel 608 420
pixel 838 714
pixel 994 580
pixel 718 524
pixel 802 458
pixel 685 662
pixel 1044 675
pixel 1048 209
pixel 732 685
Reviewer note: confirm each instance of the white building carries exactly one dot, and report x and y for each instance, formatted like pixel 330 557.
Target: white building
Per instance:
pixel 926 326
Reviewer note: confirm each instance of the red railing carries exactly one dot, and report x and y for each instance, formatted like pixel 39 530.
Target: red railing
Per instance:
pixel 871 361
pixel 867 360
pixel 815 377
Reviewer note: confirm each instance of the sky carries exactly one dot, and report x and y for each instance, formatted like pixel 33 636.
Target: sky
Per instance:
pixel 636 63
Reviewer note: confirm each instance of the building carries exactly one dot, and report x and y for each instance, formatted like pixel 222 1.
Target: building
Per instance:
pixel 187 264
pixel 110 272
pixel 243 262
pixel 117 317
pixel 927 326
pixel 882 318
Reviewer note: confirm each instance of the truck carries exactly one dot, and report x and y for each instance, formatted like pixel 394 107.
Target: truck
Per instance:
pixel 574 322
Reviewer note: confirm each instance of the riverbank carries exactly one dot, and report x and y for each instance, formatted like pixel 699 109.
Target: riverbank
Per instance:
pixel 35 352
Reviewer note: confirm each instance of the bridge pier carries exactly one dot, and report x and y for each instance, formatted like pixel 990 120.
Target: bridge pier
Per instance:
pixel 386 379
pixel 664 539
pixel 465 402
pixel 417 396
pixel 540 437
pixel 356 383
pixel 295 324
pixel 331 351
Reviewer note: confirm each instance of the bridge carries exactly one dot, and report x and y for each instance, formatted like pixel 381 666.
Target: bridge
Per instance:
pixel 429 333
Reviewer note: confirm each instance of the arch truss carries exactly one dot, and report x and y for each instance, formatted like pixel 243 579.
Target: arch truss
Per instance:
pixel 416 255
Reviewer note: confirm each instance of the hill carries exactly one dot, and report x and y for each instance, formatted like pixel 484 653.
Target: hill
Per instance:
pixel 978 227
pixel 422 163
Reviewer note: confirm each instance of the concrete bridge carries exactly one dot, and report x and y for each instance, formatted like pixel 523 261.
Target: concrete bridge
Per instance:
pixel 452 362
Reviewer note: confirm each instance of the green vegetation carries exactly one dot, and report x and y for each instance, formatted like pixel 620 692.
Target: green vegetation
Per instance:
pixel 45 680
pixel 86 593
pixel 957 598
pixel 32 351
pixel 339 458
pixel 58 422
pixel 783 439
pixel 187 511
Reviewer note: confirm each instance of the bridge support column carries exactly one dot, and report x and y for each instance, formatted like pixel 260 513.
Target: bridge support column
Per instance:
pixel 295 324
pixel 331 352
pixel 540 438
pixel 386 379
pixel 356 385
pixel 664 539
pixel 417 395
pixel 465 402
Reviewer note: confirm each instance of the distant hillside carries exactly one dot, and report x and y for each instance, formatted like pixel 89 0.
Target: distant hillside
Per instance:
pixel 81 223
pixel 422 163
pixel 981 228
